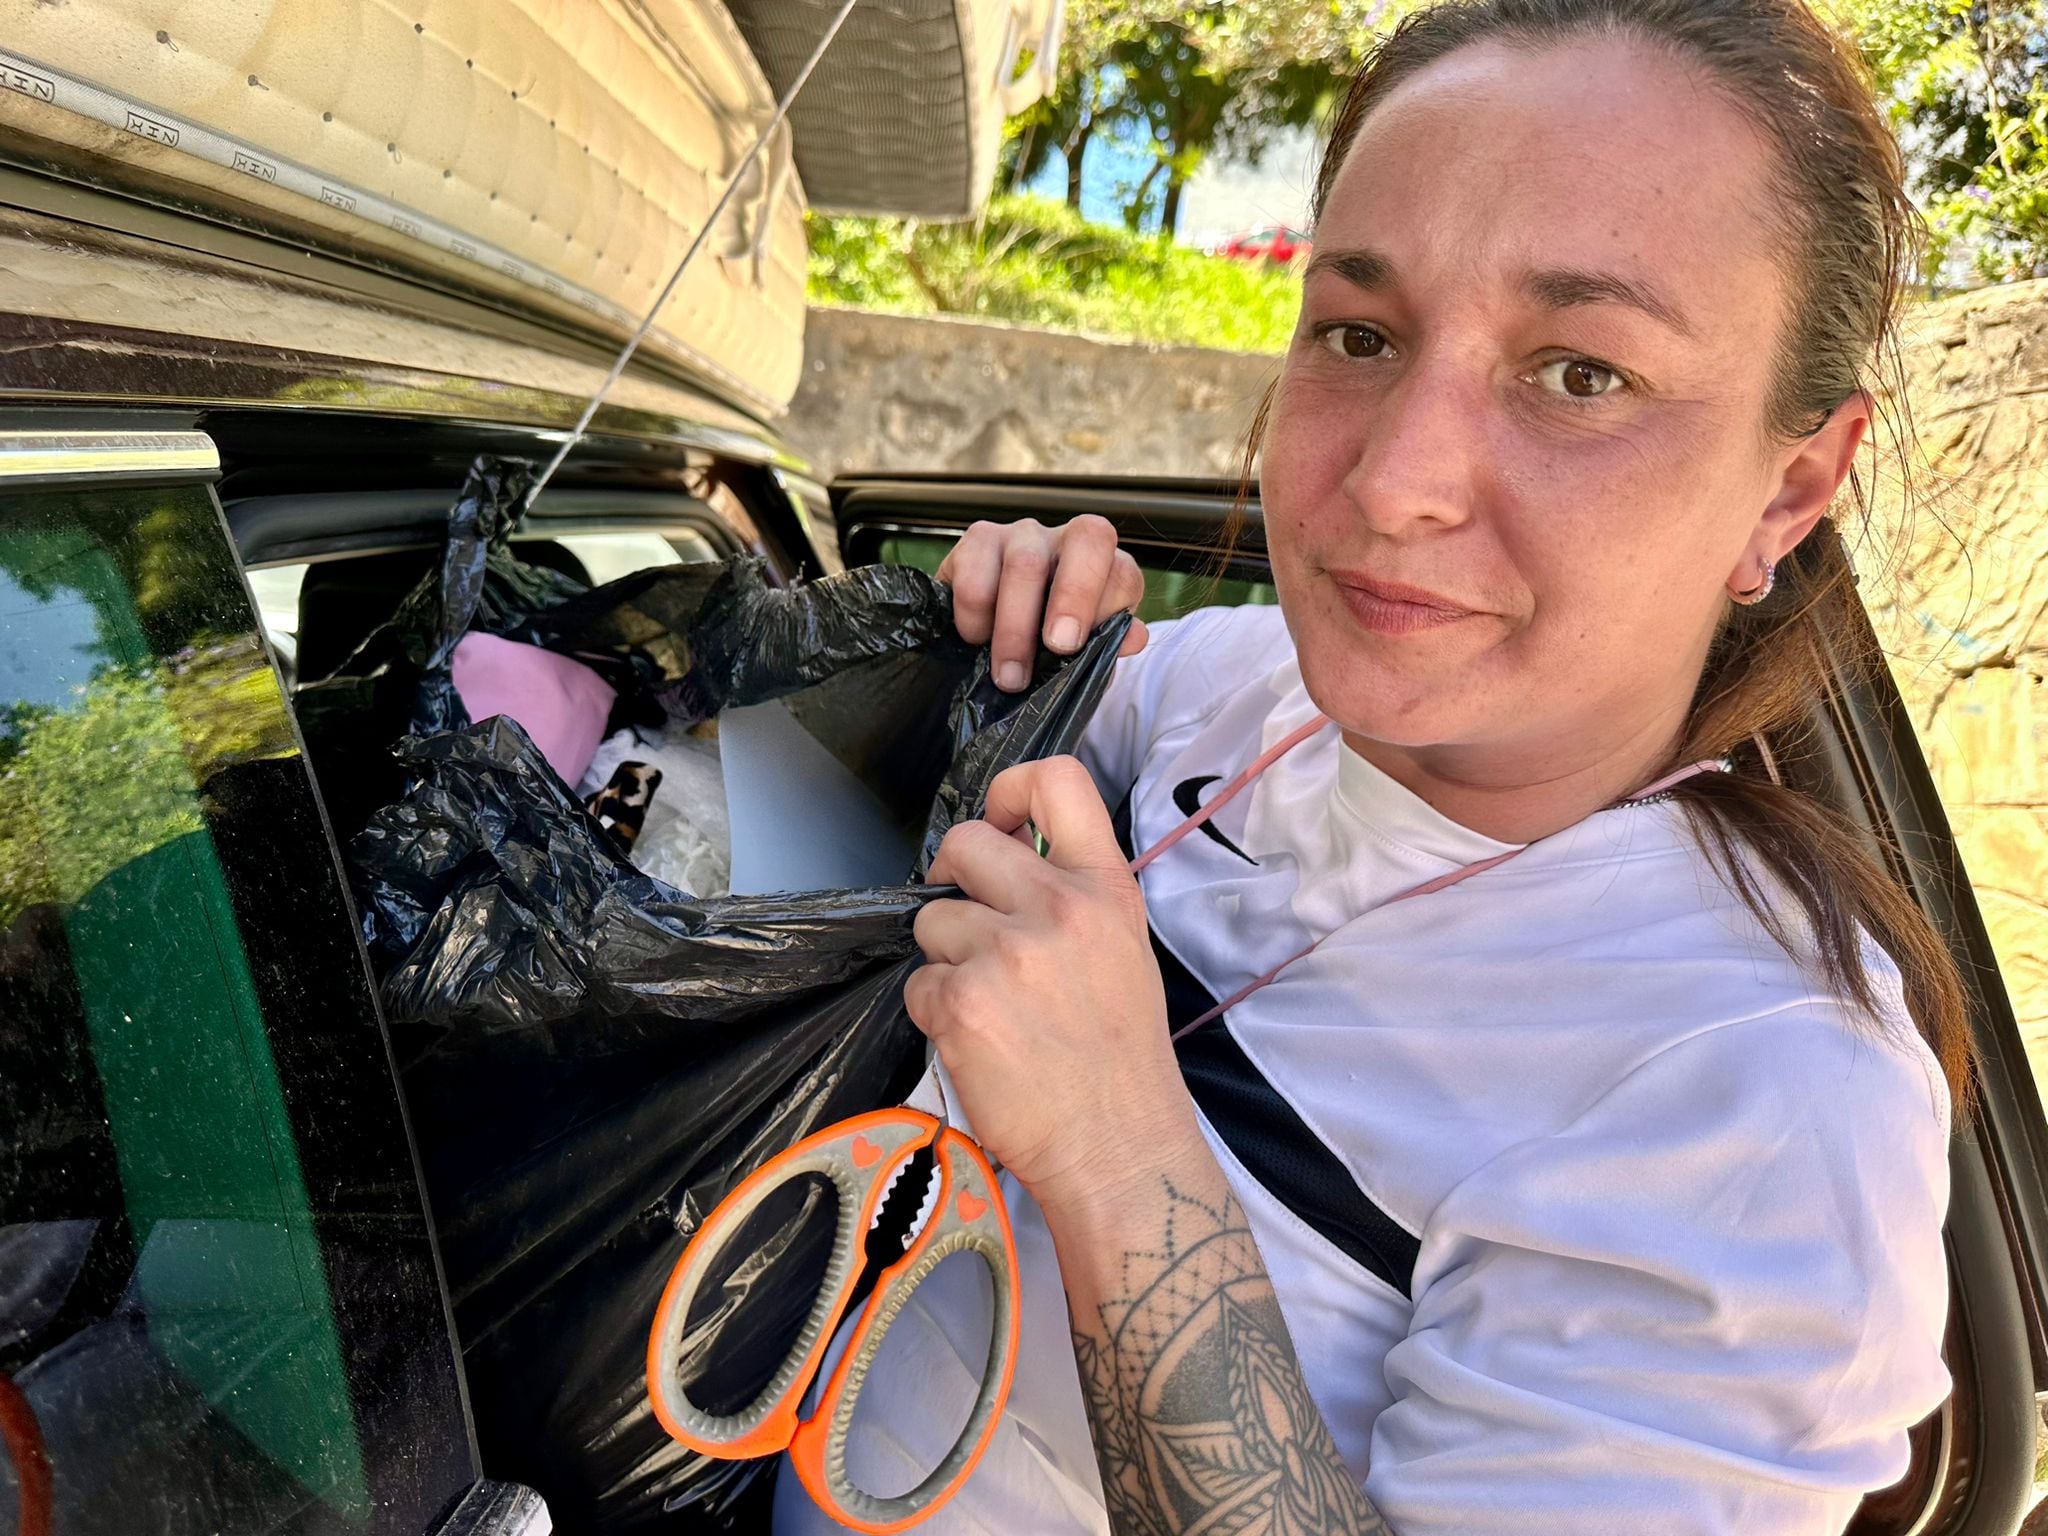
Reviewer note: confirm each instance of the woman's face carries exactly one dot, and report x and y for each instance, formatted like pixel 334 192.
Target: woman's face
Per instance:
pixel 1518 452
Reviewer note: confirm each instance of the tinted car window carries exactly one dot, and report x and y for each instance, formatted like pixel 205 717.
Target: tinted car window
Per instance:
pixel 218 1304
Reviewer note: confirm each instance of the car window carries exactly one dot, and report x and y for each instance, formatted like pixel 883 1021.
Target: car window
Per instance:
pixel 603 556
pixel 276 590
pixel 1170 590
pixel 218 1299
pixel 608 556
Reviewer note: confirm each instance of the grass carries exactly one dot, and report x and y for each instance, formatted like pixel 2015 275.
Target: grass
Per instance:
pixel 1031 261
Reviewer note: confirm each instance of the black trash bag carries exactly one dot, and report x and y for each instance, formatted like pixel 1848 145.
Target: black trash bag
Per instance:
pixel 398 679
pixel 676 643
pixel 705 636
pixel 593 1060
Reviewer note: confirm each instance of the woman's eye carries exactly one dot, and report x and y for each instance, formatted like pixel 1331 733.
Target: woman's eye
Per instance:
pixel 1580 378
pixel 1353 340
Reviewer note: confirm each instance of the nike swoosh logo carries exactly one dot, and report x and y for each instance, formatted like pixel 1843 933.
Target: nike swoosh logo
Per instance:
pixel 1187 798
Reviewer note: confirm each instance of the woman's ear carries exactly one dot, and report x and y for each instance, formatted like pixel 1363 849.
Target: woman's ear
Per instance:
pixel 1809 477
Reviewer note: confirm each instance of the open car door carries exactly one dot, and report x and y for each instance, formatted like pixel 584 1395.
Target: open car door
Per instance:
pixel 221 1301
pixel 1973 1468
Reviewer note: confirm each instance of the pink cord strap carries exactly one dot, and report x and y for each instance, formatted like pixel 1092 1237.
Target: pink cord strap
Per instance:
pixel 1441 882
pixel 1230 791
pixel 1428 887
pixel 1240 994
pixel 1677 776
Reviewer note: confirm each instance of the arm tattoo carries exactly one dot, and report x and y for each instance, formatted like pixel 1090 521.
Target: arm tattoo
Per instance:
pixel 1201 1418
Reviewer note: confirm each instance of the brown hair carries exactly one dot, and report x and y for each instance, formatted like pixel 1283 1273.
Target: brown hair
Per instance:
pixel 1852 244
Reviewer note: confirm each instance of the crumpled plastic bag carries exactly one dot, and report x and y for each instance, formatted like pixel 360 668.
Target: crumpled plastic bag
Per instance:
pixel 677 643
pixel 593 1059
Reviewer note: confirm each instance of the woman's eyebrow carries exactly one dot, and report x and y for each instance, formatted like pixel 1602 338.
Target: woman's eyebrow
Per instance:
pixel 1552 287
pixel 1364 269
pixel 1569 287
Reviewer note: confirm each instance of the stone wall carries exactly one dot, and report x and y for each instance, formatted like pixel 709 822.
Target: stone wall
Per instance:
pixel 1963 609
pixel 890 392
pixel 1964 612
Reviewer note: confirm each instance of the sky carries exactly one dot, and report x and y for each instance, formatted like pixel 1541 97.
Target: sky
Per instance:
pixel 1223 198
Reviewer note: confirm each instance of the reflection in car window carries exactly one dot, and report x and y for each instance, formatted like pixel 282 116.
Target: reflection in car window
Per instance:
pixel 217 1302
pixel 1169 593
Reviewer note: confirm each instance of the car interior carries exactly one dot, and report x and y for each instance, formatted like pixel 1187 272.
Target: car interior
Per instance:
pixel 330 539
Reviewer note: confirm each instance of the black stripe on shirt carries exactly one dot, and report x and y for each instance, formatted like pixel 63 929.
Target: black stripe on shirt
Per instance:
pixel 1263 1131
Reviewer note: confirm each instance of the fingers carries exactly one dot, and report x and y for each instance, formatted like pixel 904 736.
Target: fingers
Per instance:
pixel 971 569
pixel 1020 598
pixel 952 932
pixel 1126 590
pixel 924 997
pixel 1057 796
pixel 1126 587
pixel 996 870
pixel 1015 583
pixel 1089 569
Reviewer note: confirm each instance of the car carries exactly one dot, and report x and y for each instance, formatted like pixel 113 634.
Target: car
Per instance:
pixel 231 426
pixel 1269 242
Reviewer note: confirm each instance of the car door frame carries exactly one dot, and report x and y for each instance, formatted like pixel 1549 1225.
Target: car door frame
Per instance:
pixel 134 454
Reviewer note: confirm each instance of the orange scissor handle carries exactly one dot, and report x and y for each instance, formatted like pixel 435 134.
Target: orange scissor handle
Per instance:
pixel 969 1217
pixel 858 1156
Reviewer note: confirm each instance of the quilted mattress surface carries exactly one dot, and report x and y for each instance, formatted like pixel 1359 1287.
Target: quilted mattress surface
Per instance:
pixel 560 153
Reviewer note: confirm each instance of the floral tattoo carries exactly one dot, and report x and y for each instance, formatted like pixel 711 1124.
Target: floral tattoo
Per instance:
pixel 1202 1421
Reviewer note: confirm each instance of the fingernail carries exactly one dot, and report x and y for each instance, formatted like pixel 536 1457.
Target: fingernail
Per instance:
pixel 1010 676
pixel 1065 634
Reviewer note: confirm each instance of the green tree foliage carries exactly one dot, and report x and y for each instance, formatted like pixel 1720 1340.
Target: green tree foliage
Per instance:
pixel 1030 261
pixel 1190 105
pixel 1967 83
pixel 1084 104
pixel 1086 99
pixel 1191 79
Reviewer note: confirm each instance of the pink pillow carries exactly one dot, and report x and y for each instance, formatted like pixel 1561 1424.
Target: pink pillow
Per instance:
pixel 562 704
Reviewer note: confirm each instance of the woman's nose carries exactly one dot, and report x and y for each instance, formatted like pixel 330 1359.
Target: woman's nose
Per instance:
pixel 1418 450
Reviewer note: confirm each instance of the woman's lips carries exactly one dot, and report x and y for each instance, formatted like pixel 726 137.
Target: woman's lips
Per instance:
pixel 1392 607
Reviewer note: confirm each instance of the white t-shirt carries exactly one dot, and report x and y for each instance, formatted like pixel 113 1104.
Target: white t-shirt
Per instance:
pixel 1659 1224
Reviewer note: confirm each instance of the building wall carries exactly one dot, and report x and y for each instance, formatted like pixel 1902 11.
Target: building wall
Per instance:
pixel 897 392
pixel 1963 609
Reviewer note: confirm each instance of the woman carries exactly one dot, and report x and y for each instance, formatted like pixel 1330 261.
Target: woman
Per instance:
pixel 1599 1186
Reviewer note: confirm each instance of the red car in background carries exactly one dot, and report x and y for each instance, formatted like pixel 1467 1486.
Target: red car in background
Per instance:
pixel 1269 242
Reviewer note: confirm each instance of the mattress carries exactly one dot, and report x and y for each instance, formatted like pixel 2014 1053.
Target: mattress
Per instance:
pixel 559 154
pixel 904 113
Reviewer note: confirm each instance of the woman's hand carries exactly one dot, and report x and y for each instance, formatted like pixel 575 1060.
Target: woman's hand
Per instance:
pixel 1000 574
pixel 1043 998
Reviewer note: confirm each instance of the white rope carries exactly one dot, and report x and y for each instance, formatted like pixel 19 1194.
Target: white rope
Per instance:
pixel 731 186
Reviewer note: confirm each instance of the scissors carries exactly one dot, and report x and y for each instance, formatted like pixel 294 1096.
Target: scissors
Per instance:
pixel 859 1156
